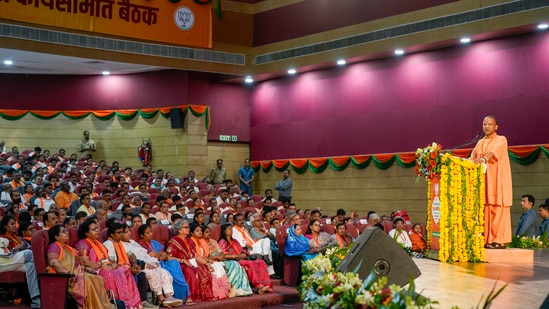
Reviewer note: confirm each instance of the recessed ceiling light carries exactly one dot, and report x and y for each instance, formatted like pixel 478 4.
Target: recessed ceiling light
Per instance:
pixel 106 73
pixel 248 80
pixel 8 62
pixel 292 71
pixel 543 26
pixel 399 51
pixel 465 40
pixel 341 62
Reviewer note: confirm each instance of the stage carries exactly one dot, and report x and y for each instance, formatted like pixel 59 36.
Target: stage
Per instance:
pixel 463 284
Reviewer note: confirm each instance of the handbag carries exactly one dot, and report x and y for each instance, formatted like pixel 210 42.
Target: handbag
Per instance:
pixel 115 303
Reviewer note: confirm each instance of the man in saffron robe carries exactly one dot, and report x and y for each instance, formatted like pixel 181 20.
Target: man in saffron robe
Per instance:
pixel 492 151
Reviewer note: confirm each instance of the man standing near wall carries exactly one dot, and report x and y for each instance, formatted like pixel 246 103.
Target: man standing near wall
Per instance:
pixel 246 175
pixel 86 146
pixel 284 187
pixel 218 174
pixel 492 151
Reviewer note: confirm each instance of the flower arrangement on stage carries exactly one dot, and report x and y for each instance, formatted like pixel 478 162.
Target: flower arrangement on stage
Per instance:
pixel 462 217
pixel 325 287
pixel 525 242
pixel 428 161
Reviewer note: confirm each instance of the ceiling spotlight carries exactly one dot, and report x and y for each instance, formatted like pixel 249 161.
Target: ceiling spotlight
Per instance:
pixel 292 71
pixel 399 52
pixel 465 40
pixel 341 62
pixel 106 73
pixel 248 80
pixel 8 62
pixel 543 26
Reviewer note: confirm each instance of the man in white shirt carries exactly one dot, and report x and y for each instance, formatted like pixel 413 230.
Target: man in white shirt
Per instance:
pixel 260 248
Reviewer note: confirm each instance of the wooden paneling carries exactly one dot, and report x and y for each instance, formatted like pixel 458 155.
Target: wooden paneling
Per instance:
pixel 233 155
pixel 117 140
pixel 391 190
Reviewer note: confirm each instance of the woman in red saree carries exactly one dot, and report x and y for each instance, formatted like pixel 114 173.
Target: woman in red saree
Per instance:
pixel 196 269
pixel 256 269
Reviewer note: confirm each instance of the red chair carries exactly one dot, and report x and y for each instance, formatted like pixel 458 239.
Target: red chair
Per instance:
pixel 73 236
pixel 155 209
pixel 216 232
pixel 257 198
pixel 292 264
pixel 328 228
pixel 134 232
pixel 277 204
pixel 52 296
pixel 202 186
pixel 387 227
pixel 104 234
pixel 161 233
pixel 351 229
pixel 203 192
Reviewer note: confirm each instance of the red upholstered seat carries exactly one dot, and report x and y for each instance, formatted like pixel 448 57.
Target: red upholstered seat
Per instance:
pixel 291 263
pixel 133 231
pixel 73 236
pixel 387 227
pixel 202 185
pixel 216 232
pixel 161 233
pixel 351 229
pixel 328 228
pixel 257 198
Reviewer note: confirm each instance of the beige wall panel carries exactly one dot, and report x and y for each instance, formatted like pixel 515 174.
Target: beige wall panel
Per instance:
pixel 116 139
pixel 233 155
pixel 393 189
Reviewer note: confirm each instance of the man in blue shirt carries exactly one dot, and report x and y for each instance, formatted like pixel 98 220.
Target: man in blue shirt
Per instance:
pixel 544 214
pixel 246 175
pixel 528 223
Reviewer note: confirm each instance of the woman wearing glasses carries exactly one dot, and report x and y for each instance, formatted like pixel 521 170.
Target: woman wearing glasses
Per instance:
pixel 86 288
pixel 94 256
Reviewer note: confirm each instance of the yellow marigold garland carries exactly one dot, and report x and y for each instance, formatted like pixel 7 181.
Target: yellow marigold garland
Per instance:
pixel 461 211
pixel 428 221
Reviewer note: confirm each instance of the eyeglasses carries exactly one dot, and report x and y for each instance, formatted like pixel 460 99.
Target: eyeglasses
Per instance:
pixel 64 231
pixel 120 232
pixel 185 227
pixel 95 229
pixel 30 228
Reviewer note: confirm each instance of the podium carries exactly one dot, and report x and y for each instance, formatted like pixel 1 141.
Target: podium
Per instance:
pixel 455 222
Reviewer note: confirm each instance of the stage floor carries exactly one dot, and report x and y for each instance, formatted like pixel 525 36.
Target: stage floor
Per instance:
pixel 463 284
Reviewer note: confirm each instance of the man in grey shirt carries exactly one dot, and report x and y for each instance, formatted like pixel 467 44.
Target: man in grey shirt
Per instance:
pixel 284 187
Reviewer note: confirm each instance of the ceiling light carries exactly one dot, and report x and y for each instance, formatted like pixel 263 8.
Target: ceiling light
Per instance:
pixel 341 62
pixel 292 71
pixel 106 73
pixel 8 62
pixel 543 26
pixel 465 40
pixel 399 52
pixel 248 80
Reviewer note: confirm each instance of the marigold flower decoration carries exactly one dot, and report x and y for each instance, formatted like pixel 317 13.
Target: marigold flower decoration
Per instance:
pixel 428 162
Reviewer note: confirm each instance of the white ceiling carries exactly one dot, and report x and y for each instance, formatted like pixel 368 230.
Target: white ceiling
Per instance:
pixel 25 62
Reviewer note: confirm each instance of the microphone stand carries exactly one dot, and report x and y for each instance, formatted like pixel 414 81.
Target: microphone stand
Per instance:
pixel 474 140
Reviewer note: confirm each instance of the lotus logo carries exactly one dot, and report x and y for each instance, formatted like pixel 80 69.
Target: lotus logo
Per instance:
pixel 184 18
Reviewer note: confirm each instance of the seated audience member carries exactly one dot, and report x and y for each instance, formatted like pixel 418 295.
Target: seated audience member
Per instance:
pixel 256 269
pixel 163 216
pixel 399 235
pixel 374 221
pixel 85 200
pixel 146 212
pixel 152 221
pixel 21 258
pixel 275 223
pixel 80 217
pixel 220 282
pixel 260 248
pixel 50 219
pixel 93 255
pixel 156 250
pixel 26 228
pixel 235 273
pixel 297 244
pixel 258 232
pixel 43 200
pixel 342 236
pixel 64 197
pixel 214 219
pixel 137 221
pixel 384 219
pixel 198 219
pixel 160 280
pixel 544 214
pixel 319 241
pixel 87 287
pixel 528 222
pixel 417 239
pixel 197 270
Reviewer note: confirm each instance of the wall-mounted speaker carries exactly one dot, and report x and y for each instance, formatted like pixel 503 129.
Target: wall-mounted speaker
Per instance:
pixel 374 249
pixel 176 118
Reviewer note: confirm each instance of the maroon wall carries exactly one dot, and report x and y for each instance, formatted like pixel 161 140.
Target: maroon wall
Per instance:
pixel 399 104
pixel 229 104
pixel 314 16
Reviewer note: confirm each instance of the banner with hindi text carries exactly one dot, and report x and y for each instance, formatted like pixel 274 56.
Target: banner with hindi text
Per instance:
pixel 183 23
